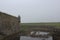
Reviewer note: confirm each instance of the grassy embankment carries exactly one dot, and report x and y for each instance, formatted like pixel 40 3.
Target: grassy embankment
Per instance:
pixel 26 26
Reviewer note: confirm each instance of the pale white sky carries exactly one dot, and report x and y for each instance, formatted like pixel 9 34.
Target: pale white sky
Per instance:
pixel 32 10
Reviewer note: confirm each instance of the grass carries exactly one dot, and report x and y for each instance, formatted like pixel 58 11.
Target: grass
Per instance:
pixel 25 26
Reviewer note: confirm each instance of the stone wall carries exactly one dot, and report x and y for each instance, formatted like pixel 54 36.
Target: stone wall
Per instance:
pixel 56 35
pixel 8 24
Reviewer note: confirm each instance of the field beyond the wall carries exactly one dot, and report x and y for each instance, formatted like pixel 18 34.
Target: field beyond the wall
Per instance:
pixel 26 26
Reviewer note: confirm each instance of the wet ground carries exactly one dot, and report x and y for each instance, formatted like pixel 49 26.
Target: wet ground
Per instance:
pixel 32 38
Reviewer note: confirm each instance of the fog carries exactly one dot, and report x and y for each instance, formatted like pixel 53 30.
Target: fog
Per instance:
pixel 32 10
